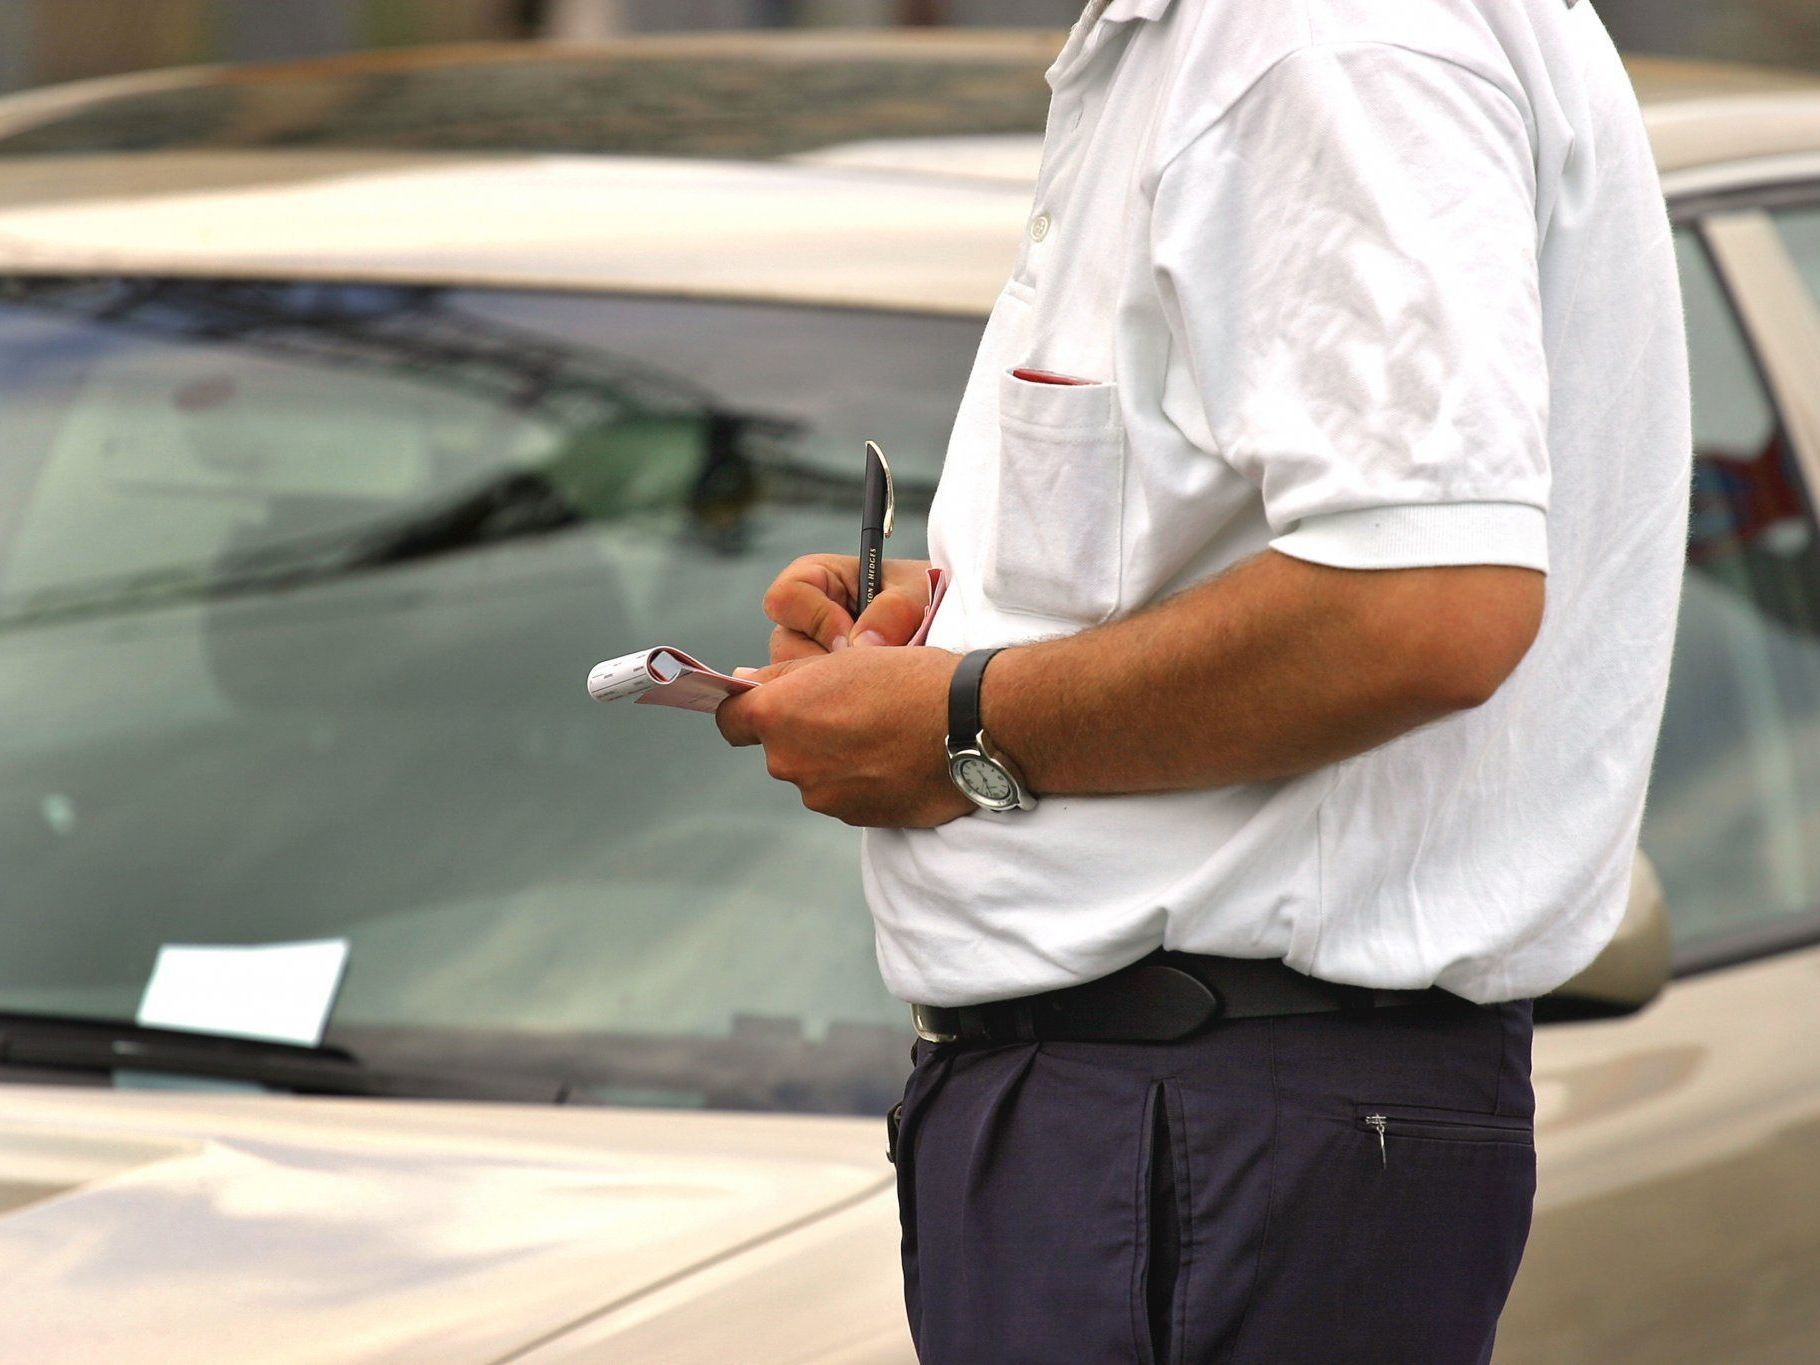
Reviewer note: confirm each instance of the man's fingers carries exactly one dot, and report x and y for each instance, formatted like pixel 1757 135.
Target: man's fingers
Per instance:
pixel 894 615
pixel 738 716
pixel 811 604
pixel 788 645
pixel 738 725
pixel 802 601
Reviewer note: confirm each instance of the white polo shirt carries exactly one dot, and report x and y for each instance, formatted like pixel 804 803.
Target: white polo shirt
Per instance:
pixel 1377 284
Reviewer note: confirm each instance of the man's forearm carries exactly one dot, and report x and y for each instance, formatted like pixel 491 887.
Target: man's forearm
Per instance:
pixel 1275 668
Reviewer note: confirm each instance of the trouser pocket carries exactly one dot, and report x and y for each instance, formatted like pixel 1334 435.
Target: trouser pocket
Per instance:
pixel 892 1117
pixel 1394 1235
pixel 1394 1124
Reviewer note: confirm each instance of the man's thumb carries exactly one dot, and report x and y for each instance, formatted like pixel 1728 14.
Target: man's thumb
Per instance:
pixel 892 619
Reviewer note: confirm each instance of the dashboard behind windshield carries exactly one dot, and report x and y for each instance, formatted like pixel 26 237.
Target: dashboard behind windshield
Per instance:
pixel 299 585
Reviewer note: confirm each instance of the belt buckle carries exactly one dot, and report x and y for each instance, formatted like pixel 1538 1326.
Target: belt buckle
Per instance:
pixel 922 1018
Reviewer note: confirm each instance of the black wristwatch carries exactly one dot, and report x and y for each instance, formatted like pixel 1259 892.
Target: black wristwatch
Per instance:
pixel 986 778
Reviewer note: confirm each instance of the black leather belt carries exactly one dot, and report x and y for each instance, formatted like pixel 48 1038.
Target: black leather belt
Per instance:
pixel 1158 999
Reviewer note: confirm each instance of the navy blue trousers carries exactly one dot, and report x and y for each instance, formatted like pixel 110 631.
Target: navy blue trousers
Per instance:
pixel 1345 1187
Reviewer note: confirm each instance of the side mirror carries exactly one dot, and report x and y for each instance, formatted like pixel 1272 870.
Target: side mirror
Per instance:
pixel 1632 970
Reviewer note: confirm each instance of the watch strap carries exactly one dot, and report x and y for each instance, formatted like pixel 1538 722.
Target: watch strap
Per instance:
pixel 964 723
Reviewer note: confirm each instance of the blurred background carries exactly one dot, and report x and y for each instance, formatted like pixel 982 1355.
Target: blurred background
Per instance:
pixel 45 41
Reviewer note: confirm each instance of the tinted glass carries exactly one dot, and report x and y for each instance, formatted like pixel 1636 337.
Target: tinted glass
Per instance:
pixel 299 587
pixel 1733 823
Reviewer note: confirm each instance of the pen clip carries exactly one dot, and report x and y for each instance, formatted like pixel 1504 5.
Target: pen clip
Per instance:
pixel 890 489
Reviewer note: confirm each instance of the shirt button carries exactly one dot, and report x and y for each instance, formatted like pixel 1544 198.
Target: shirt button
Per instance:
pixel 1039 227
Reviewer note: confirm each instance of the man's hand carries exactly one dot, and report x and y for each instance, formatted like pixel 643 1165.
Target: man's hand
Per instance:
pixel 812 602
pixel 860 732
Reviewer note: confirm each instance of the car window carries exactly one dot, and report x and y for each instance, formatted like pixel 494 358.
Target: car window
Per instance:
pixel 299 587
pixel 1801 232
pixel 1733 821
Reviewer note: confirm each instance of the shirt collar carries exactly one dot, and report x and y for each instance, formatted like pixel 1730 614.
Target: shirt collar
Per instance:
pixel 1117 11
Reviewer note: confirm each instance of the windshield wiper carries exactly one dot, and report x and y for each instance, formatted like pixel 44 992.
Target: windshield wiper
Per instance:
pixel 58 1043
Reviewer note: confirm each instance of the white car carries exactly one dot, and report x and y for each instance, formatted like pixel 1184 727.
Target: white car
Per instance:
pixel 353 409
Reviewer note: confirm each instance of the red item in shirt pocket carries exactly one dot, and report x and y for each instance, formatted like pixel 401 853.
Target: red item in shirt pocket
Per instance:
pixel 1048 377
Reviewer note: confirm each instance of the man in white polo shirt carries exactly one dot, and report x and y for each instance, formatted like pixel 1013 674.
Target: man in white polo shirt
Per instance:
pixel 1340 329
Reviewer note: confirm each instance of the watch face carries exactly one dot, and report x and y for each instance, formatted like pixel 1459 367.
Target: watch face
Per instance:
pixel 984 780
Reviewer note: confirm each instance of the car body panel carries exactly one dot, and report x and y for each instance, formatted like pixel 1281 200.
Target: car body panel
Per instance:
pixel 284 1229
pixel 831 1293
pixel 1718 131
pixel 1677 1149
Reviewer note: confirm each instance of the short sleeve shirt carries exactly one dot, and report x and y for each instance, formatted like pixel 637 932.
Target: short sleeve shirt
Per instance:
pixel 1371 285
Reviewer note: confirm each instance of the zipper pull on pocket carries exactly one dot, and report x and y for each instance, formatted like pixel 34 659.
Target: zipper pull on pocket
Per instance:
pixel 1378 1123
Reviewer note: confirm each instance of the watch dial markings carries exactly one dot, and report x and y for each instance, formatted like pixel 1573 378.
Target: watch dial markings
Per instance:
pixel 984 779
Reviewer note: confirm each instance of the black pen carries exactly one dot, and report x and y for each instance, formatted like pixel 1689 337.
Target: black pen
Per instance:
pixel 874 526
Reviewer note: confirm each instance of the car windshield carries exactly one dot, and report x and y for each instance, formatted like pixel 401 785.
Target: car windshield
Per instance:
pixel 299 587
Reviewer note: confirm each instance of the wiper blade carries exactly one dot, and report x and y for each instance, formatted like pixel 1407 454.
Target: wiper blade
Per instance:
pixel 512 507
pixel 54 1042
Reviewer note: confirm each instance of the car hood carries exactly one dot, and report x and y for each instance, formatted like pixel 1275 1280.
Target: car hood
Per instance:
pixel 153 1226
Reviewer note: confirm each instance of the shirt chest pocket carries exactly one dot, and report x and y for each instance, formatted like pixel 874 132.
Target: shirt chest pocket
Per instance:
pixel 1054 538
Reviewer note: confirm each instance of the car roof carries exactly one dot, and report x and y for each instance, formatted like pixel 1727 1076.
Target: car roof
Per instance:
pixel 883 170
pixel 797 233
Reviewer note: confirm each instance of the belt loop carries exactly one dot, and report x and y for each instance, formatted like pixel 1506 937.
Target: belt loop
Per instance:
pixel 970 1022
pixel 1023 1022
